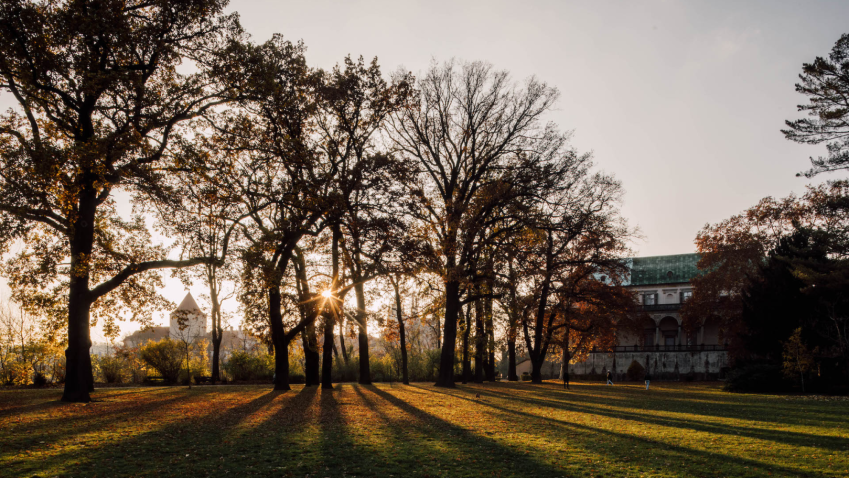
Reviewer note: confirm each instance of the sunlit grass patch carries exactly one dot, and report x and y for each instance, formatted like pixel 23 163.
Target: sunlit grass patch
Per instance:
pixel 512 429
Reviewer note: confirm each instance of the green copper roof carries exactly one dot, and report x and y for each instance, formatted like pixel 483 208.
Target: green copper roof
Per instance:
pixel 673 269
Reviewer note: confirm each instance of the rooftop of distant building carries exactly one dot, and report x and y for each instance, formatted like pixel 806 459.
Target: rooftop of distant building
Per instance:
pixel 658 270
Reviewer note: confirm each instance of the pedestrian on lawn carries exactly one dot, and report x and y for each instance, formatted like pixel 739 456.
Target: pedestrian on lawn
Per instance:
pixel 566 380
pixel 609 378
pixel 647 379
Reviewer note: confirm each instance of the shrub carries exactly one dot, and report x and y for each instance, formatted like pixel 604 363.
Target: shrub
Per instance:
pixel 526 377
pixel 15 373
pixel 199 361
pixel 344 372
pixel 112 369
pixel 635 371
pixel 297 378
pixel 244 365
pixel 20 364
pixel 757 377
pixel 135 368
pixel 383 369
pixel 165 356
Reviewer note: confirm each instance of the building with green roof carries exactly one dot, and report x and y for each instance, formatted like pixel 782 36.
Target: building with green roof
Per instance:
pixel 661 285
pixel 657 270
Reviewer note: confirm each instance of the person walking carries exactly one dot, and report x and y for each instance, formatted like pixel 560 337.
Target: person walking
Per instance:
pixel 609 378
pixel 647 379
pixel 566 380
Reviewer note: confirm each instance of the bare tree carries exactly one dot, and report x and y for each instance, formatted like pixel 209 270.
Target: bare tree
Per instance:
pixel 18 334
pixel 475 141
pixel 204 219
pixel 188 333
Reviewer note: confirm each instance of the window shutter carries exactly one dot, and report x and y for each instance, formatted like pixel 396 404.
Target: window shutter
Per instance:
pixel 681 297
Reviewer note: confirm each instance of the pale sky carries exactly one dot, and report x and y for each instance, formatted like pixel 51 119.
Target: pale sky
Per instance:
pixel 682 101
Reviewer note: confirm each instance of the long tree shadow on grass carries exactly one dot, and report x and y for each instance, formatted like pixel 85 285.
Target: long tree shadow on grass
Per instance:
pixel 174 449
pixel 779 436
pixel 69 421
pixel 690 462
pixel 712 403
pixel 51 399
pixel 31 405
pixel 361 430
pixel 455 450
pixel 338 453
pixel 727 406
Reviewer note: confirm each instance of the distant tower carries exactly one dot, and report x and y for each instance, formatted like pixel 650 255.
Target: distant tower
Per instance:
pixel 195 320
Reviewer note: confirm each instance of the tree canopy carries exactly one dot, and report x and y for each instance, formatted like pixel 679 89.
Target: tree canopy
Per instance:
pixel 299 186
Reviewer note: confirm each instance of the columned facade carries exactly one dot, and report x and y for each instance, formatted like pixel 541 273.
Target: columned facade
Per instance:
pixel 661 285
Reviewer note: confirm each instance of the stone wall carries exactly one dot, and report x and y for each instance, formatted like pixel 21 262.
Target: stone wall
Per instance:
pixel 665 365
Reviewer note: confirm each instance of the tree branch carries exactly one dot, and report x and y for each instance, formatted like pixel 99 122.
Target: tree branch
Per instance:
pixel 132 269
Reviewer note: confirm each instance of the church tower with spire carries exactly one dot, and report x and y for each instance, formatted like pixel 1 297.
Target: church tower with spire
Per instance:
pixel 192 318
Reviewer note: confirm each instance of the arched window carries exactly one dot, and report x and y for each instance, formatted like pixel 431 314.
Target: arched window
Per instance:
pixel 669 331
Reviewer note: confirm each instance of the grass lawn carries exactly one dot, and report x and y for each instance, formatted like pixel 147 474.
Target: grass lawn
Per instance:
pixel 513 429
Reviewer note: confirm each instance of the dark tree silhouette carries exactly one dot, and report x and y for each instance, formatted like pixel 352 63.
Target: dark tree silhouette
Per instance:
pixel 475 141
pixel 204 220
pixel 282 180
pixel 577 235
pixel 355 103
pixel 825 82
pixel 99 102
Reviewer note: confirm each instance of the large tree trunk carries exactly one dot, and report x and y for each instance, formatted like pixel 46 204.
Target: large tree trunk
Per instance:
pixel 538 348
pixel 311 359
pixel 449 341
pixel 400 317
pixel 330 312
pixel 278 340
pixel 512 325
pixel 78 372
pixel 327 353
pixel 342 338
pixel 344 377
pixel 79 379
pixel 490 339
pixel 362 318
pixel 480 341
pixel 536 368
pixel 564 365
pixel 217 333
pixel 466 319
pixel 334 313
pixel 216 357
pixel 511 360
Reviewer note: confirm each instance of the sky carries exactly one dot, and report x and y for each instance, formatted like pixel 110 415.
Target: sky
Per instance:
pixel 682 101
